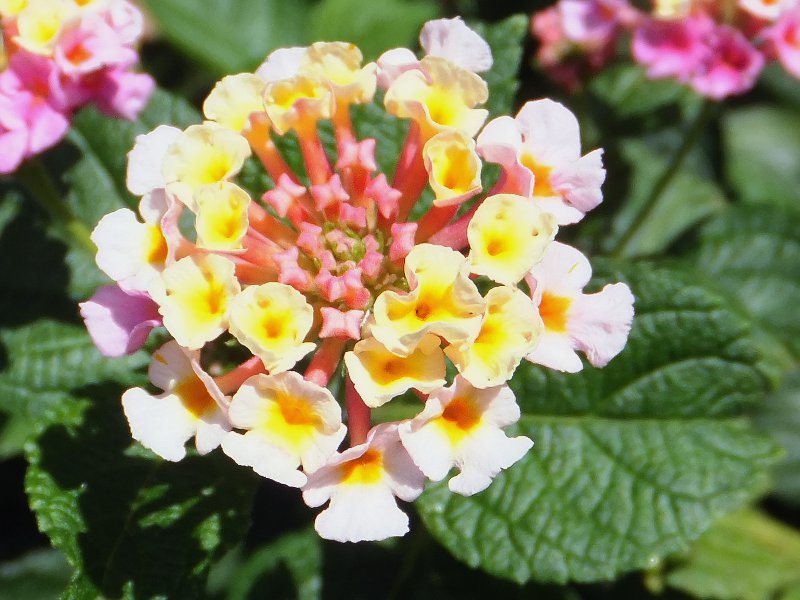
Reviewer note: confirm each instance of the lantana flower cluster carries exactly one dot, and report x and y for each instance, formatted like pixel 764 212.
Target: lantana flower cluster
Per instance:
pixel 57 56
pixel 326 273
pixel 719 48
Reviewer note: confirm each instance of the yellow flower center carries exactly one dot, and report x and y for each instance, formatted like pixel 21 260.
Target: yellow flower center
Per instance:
pixel 195 397
pixel 459 418
pixel 553 310
pixel 365 470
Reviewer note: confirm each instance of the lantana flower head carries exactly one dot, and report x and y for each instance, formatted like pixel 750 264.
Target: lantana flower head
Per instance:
pixel 62 55
pixel 717 50
pixel 326 272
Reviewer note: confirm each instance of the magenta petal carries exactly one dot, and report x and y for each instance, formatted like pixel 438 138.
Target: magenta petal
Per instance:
pixel 118 322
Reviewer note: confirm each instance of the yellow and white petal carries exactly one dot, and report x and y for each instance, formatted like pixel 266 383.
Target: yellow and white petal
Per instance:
pixel 439 96
pixel 285 411
pixel 40 24
pixel 11 8
pixel 378 375
pixel 282 63
pixel 272 320
pixel 145 160
pixel 507 236
pixel 597 324
pixel 510 330
pixel 170 365
pixel 339 63
pixel 187 407
pixel 159 423
pixel 361 484
pixel 454 169
pixel 130 252
pixel 298 102
pixel 252 450
pixel 203 154
pixel 443 301
pixel 233 99
pixel 194 296
pixel 222 216
pixel 461 426
pixel 453 40
pixel 551 132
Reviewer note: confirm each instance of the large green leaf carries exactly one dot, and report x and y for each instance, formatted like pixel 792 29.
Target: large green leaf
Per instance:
pixel 231 36
pixel 131 525
pixel 365 23
pixel 46 362
pixel 688 198
pixel 762 154
pixel 631 462
pixel 746 556
pixel 754 254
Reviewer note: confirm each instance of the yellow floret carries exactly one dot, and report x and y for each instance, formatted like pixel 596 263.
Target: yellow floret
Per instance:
pixel 509 331
pixel 221 216
pixel 194 295
pixel 378 375
pixel 453 167
pixel 507 236
pixel 272 320
pixel 444 301
pixel 439 97
pixel 234 99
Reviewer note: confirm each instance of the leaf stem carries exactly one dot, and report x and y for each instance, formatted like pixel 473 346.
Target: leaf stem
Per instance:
pixel 693 133
pixel 37 181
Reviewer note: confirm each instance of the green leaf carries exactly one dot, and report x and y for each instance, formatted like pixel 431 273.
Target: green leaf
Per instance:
pixel 231 36
pixel 687 199
pixel 131 525
pixel 365 23
pixel 506 38
pixel 746 556
pixel 780 417
pixel 298 553
pixel 38 575
pixel 762 154
pixel 627 89
pixel 46 361
pixel 753 254
pixel 631 462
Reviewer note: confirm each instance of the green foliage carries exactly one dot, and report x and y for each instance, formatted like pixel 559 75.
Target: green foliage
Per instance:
pixel 762 154
pixel 231 36
pixel 506 40
pixel 131 525
pixel 365 24
pixel 46 362
pixel 631 462
pixel 753 253
pixel 298 553
pixel 688 198
pixel 626 89
pixel 746 556
pixel 39 575
pixel 779 415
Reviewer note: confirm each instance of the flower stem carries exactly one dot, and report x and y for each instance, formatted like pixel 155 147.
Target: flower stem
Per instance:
pixel 358 414
pixel 693 133
pixel 40 186
pixel 326 359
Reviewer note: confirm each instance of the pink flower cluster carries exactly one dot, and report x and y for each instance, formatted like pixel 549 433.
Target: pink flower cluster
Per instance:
pixel 717 48
pixel 60 56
